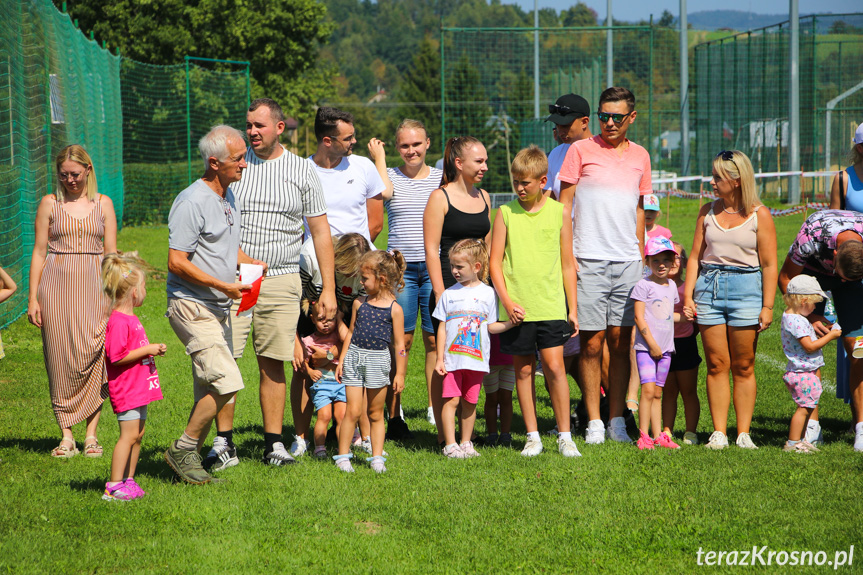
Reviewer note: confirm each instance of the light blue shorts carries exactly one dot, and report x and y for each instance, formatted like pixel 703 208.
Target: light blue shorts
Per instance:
pixel 728 295
pixel 326 391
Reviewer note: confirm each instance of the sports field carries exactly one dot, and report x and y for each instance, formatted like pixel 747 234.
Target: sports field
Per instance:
pixel 615 509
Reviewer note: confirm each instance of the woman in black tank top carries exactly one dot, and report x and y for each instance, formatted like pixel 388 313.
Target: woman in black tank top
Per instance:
pixel 457 210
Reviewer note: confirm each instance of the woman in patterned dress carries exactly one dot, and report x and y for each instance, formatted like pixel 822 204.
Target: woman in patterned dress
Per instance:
pixel 75 227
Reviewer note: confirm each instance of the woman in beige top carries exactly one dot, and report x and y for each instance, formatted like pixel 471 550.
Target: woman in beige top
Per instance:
pixel 730 285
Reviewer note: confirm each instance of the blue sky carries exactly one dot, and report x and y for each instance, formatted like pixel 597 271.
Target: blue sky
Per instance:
pixel 631 10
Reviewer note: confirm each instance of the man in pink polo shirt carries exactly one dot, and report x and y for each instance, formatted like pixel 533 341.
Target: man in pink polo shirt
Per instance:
pixel 611 175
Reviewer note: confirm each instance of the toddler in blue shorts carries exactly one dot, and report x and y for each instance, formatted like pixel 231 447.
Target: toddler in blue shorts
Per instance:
pixel 321 351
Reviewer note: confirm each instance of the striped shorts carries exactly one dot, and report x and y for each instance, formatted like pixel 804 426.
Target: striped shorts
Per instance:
pixel 368 368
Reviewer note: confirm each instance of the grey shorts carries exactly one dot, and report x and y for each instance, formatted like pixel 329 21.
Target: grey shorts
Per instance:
pixel 366 367
pixel 133 414
pixel 603 293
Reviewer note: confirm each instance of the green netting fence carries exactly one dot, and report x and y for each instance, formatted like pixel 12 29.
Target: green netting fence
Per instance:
pixel 741 96
pixel 139 123
pixel 487 85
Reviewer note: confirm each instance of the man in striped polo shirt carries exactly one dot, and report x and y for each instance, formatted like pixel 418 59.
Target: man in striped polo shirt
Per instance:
pixel 277 191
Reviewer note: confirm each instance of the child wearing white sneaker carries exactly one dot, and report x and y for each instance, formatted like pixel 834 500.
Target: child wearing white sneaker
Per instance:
pixel 321 351
pixel 377 321
pixel 498 385
pixel 132 379
pixel 533 272
pixel 468 314
pixel 654 298
pixel 683 372
pixel 803 349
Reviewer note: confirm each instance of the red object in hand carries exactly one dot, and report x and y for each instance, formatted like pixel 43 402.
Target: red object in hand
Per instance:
pixel 250 297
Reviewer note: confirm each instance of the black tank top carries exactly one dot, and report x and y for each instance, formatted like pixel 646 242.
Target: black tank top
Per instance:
pixel 458 225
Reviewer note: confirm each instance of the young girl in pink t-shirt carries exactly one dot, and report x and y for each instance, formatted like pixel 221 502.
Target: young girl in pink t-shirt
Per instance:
pixel 132 379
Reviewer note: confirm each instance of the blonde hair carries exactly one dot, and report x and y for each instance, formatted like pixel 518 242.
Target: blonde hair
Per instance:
pixel 308 306
pixel 388 267
pixel 794 301
pixel 410 124
pixel 120 275
pixel 739 168
pixel 530 162
pixel 348 249
pixel 79 155
pixel 476 251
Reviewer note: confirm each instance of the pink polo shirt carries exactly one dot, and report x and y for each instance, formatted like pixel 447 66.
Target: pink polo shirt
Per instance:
pixel 606 199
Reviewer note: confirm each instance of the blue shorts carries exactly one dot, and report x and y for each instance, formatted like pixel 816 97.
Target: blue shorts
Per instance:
pixel 414 297
pixel 326 391
pixel 728 295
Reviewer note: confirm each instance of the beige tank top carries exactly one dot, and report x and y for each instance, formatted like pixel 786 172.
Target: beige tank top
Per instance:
pixel 737 246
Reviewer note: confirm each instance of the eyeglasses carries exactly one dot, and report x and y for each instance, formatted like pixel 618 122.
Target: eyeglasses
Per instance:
pixel 229 215
pixel 70 176
pixel 616 118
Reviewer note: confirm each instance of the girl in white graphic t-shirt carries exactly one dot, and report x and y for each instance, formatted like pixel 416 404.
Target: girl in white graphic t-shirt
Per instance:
pixel 468 313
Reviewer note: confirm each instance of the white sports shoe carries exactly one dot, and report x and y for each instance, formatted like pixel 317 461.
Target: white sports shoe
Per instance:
pixel 745 442
pixel 279 455
pixel 468 449
pixel 366 446
pixel 567 448
pixel 299 446
pixel 343 462
pixel 814 434
pixel 595 433
pixel 532 447
pixel 377 464
pixel 858 440
pixel 221 456
pixel 717 441
pixel 430 416
pixel 616 430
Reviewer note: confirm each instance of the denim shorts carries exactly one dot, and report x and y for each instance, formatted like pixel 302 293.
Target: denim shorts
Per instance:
pixel 326 391
pixel 728 295
pixel 414 298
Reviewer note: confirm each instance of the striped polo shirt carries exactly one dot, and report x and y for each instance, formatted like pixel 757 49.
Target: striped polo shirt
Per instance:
pixel 274 196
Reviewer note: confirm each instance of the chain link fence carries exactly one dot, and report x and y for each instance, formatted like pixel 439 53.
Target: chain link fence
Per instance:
pixel 741 97
pixel 139 123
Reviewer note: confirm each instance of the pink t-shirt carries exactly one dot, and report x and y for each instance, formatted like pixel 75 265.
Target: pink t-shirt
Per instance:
pixel 606 199
pixel 659 303
pixel 657 231
pixel 134 384
pixel 318 341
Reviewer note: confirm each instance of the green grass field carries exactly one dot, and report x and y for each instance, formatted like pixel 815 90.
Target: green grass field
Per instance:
pixel 613 510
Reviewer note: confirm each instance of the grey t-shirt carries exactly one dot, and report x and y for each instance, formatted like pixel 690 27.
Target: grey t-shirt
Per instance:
pixel 207 227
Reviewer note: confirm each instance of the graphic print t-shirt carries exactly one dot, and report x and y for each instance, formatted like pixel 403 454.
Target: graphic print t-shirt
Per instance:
pixel 467 312
pixel 659 303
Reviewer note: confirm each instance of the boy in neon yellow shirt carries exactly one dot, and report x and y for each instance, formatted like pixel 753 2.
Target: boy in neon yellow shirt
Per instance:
pixel 533 271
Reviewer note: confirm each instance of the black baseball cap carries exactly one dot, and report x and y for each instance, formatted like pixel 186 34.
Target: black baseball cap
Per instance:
pixel 567 109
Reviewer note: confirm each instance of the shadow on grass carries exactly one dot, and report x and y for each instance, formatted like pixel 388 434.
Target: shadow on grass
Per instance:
pixel 774 430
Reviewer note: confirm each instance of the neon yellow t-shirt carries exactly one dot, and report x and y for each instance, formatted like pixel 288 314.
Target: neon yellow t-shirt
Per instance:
pixel 531 261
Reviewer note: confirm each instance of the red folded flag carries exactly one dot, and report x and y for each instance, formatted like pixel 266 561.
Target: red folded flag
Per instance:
pixel 250 297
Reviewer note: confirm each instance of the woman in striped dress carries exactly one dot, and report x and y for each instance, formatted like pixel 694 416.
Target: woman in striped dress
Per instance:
pixel 75 227
pixel 408 188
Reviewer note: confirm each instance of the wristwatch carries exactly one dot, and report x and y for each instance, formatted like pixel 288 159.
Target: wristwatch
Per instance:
pixel 330 356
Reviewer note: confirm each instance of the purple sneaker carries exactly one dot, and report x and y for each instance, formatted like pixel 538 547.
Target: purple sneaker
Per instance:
pixel 132 486
pixel 119 492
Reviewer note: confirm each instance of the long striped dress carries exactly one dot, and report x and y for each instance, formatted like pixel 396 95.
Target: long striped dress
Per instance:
pixel 75 312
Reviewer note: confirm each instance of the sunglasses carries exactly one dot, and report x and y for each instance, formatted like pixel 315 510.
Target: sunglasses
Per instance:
pixel 229 215
pixel 616 118
pixel 561 110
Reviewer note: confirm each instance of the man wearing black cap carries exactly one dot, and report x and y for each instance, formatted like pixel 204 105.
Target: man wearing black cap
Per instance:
pixel 571 117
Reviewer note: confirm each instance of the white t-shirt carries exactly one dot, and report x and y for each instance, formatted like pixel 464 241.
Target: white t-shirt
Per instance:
pixel 467 313
pixel 555 161
pixel 347 187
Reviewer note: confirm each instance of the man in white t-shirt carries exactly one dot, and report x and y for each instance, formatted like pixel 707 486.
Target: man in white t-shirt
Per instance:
pixel 570 115
pixel 353 189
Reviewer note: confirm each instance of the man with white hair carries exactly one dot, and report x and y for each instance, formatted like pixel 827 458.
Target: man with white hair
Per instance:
pixel 204 251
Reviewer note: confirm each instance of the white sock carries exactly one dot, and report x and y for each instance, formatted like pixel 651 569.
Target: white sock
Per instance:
pixel 859 427
pixel 814 425
pixel 565 435
pixel 533 435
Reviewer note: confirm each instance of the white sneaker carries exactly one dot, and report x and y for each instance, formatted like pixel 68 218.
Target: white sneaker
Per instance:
pixel 858 440
pixel 745 442
pixel 616 430
pixel 567 448
pixel 279 455
pixel 299 446
pixel 454 452
pixel 343 462
pixel 377 464
pixel 221 456
pixel 595 433
pixel 717 441
pixel 366 446
pixel 532 447
pixel 814 434
pixel 468 449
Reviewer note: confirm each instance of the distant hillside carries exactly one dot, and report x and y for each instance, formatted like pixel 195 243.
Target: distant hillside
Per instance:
pixel 733 19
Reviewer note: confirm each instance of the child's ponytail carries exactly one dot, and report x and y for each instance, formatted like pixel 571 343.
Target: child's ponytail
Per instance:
pixel 121 274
